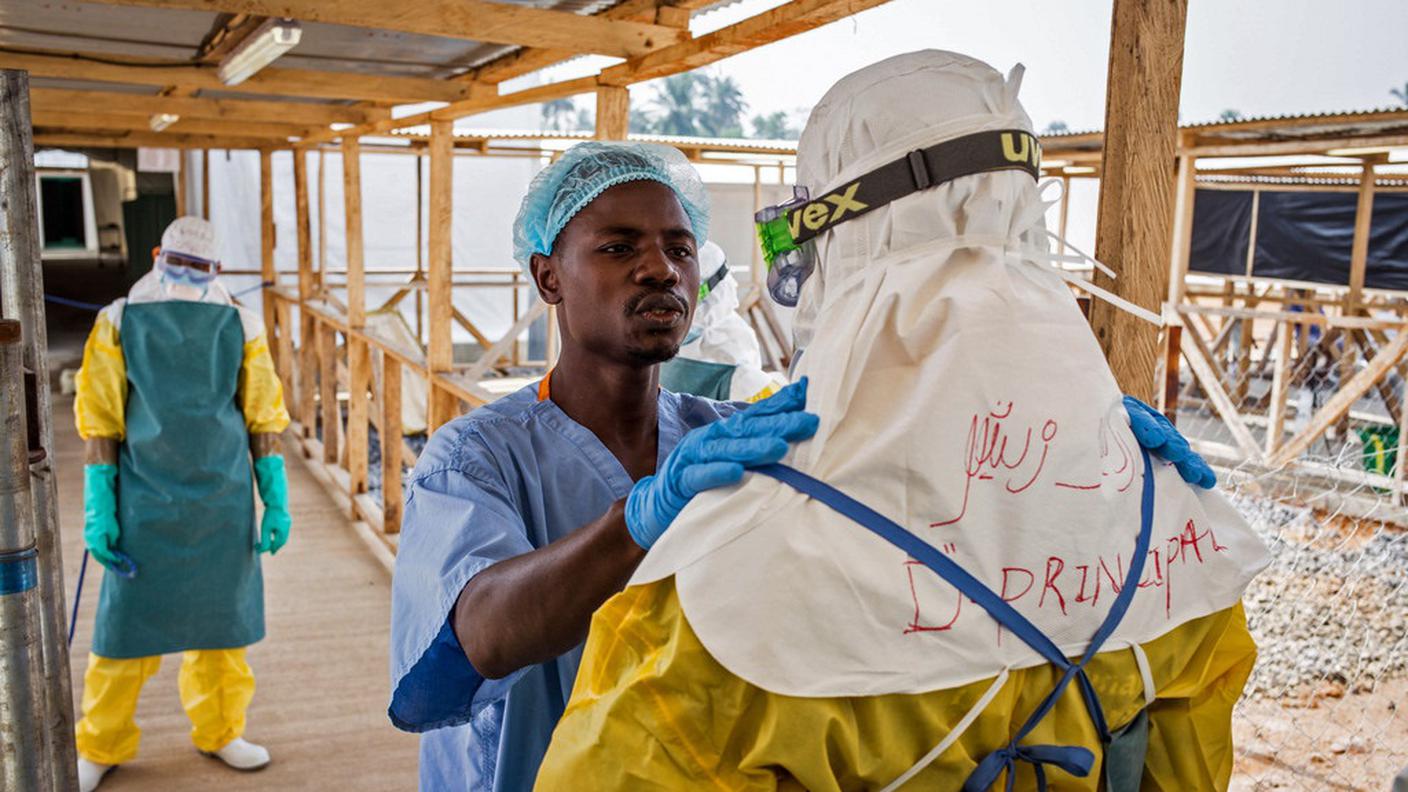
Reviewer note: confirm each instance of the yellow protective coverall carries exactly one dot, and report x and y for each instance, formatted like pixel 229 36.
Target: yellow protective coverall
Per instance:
pixel 652 710
pixel 217 685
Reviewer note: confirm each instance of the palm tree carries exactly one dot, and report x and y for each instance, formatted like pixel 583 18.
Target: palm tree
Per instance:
pixel 559 115
pixel 676 102
pixel 1057 128
pixel 1401 94
pixel 723 107
pixel 774 126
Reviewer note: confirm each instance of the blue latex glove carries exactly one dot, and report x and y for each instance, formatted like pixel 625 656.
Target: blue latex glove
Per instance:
pixel 100 529
pixel 269 474
pixel 716 456
pixel 1155 433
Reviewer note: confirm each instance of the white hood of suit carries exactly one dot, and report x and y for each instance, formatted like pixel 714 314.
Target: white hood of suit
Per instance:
pixel 962 395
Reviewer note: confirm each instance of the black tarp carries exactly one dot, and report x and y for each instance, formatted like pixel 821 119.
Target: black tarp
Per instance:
pixel 1303 236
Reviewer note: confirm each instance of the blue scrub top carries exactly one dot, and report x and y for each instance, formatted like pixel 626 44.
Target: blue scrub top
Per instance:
pixel 508 478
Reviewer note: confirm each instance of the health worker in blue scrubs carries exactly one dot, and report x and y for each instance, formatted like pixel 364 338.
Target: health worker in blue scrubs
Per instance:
pixel 525 515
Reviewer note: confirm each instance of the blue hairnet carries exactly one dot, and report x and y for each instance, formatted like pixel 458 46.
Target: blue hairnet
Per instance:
pixel 586 170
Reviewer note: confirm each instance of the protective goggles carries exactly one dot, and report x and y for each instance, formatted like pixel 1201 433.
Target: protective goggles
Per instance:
pixel 788 231
pixel 186 267
pixel 712 282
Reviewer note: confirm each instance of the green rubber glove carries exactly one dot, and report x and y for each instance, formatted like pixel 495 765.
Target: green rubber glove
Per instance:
pixel 273 490
pixel 100 529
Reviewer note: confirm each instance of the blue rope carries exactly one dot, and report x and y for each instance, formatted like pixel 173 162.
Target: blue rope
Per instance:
pixel 73 303
pixel 77 594
pixel 263 285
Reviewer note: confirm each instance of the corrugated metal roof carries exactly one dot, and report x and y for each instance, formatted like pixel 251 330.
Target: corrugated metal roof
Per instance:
pixel 1291 126
pixel 785 147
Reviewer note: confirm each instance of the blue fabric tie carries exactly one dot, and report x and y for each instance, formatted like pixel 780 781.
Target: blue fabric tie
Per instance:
pixel 1073 759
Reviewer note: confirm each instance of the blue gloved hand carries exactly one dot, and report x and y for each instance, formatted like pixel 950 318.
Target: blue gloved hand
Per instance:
pixel 269 474
pixel 100 529
pixel 716 456
pixel 1161 438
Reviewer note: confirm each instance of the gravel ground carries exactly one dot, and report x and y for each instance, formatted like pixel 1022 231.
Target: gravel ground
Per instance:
pixel 1331 612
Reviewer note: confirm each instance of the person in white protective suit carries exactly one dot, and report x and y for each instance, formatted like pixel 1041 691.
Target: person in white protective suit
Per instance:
pixel 720 358
pixel 974 576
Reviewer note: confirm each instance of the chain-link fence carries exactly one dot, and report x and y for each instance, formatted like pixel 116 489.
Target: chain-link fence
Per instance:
pixel 1301 410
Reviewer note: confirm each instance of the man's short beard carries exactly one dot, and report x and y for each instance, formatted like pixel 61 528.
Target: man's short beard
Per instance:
pixel 650 357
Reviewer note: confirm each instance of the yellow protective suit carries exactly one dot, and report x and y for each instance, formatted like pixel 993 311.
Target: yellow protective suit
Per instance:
pixel 216 687
pixel 653 710
pixel 99 404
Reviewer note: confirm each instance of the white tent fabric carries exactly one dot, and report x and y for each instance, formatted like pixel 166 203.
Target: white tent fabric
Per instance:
pixel 961 394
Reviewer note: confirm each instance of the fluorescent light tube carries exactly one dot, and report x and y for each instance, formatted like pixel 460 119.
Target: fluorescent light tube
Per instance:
pixel 262 47
pixel 161 121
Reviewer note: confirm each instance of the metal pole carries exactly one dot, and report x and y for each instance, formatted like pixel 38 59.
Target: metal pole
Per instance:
pixel 22 765
pixel 22 295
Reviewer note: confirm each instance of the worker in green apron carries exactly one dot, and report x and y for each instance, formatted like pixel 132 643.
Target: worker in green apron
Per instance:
pixel 180 409
pixel 720 358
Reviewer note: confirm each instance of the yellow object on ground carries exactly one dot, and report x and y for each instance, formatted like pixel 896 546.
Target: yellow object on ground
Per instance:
pixel 216 687
pixel 100 402
pixel 653 710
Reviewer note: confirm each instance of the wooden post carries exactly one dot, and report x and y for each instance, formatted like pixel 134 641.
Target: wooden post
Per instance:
pixel 266 238
pixel 1184 203
pixel 391 443
pixel 1251 235
pixel 420 252
pixel 320 279
pixel 359 361
pixel 757 270
pixel 205 183
pixel 181 207
pixel 1400 470
pixel 1065 213
pixel 1280 389
pixel 1136 188
pixel 327 385
pixel 441 352
pixel 613 112
pixel 308 345
pixel 1359 252
pixel 352 207
pixel 1173 353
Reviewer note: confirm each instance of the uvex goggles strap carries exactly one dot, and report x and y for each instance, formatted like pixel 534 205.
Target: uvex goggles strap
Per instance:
pixel 980 152
pixel 713 282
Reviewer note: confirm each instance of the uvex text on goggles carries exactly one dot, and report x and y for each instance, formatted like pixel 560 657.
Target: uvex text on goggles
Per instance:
pixel 788 231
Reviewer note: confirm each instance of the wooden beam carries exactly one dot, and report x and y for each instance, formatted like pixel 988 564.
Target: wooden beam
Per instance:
pixel 236 110
pixel 205 184
pixel 1207 147
pixel 1204 370
pixel 308 344
pixel 277 133
pixel 474 20
pixel 269 81
pixel 531 59
pixel 352 212
pixel 391 443
pixel 359 378
pixel 181 187
pixel 1359 250
pixel 1339 404
pixel 613 112
pixel 440 355
pixel 50 136
pixel 1136 193
pixel 267 273
pixel 1184 203
pixel 327 391
pixel 797 16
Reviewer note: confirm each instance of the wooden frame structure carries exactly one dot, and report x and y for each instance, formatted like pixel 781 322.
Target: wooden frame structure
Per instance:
pixel 102 92
pixel 1235 330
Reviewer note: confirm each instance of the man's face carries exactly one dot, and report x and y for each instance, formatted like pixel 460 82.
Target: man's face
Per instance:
pixel 624 274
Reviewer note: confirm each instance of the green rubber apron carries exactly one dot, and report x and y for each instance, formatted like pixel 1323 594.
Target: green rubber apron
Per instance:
pixel 184 490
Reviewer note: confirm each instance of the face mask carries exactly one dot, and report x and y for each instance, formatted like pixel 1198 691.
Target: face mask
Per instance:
pixel 788 232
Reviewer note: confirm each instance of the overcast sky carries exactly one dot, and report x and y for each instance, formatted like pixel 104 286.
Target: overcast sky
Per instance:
pixel 1263 57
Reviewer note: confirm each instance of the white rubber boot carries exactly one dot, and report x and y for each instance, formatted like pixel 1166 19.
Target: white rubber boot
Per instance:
pixel 90 774
pixel 243 755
